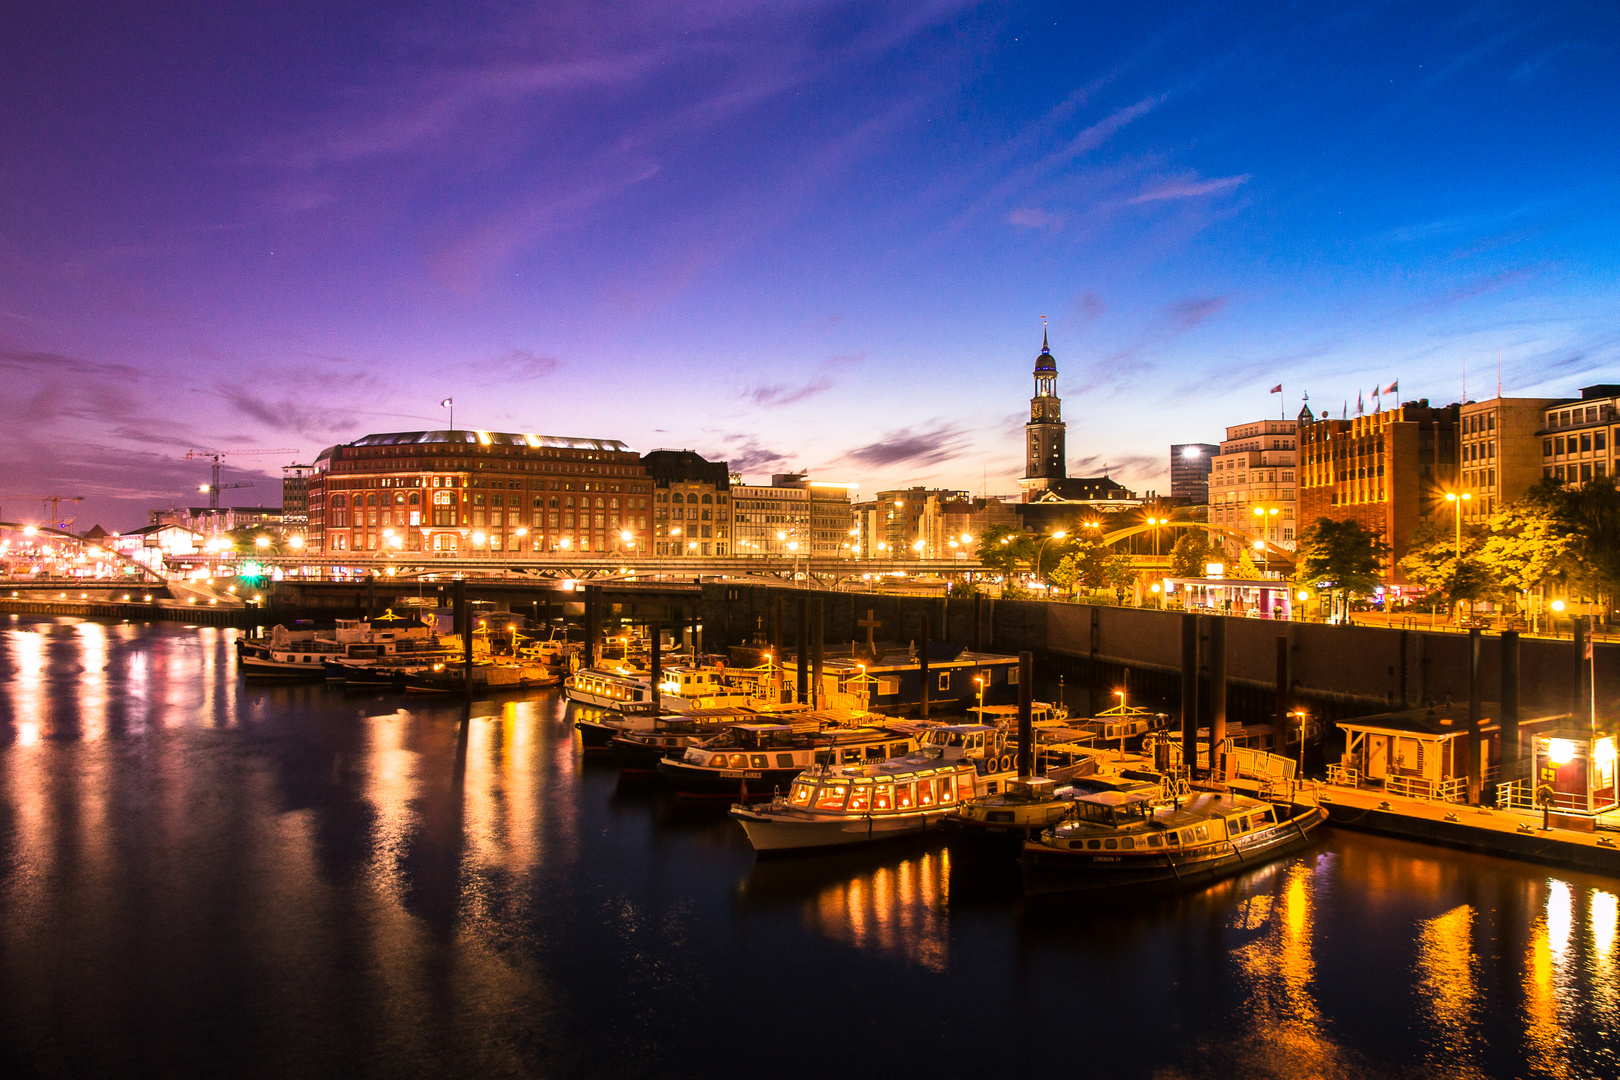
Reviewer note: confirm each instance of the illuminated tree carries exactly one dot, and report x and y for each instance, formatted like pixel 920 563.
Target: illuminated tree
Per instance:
pixel 1341 557
pixel 1191 553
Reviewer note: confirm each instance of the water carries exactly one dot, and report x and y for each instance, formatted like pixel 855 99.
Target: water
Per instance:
pixel 200 877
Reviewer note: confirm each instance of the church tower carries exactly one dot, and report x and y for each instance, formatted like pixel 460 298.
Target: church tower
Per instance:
pixel 1045 459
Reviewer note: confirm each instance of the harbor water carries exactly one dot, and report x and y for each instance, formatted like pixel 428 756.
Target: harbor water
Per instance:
pixel 204 876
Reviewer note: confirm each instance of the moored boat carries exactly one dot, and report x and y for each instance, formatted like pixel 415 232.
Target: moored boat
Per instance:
pixel 834 806
pixel 1121 841
pixel 758 760
pixel 448 678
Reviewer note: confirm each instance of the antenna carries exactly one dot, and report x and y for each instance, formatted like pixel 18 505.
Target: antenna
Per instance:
pixel 1499 371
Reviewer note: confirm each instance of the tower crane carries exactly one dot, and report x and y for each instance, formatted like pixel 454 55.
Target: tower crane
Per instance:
pixel 54 517
pixel 214 487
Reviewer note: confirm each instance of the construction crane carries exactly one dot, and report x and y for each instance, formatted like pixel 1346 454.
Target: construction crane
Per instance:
pixel 214 487
pixel 53 514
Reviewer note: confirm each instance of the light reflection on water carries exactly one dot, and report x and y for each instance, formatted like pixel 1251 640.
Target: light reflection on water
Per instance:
pixel 389 885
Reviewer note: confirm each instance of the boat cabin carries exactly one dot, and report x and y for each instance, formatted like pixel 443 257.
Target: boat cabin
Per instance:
pixel 1578 766
pixel 956 741
pixel 907 788
pixel 1423 753
pixel 780 746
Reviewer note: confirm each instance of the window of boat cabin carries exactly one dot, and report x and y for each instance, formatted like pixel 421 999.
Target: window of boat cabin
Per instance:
pixel 944 680
pixel 759 761
pixel 925 793
pixel 902 796
pixel 883 797
pixel 1201 831
pixel 899 749
pixel 739 761
pixel 860 796
pixel 800 794
pixel 853 757
pixel 946 790
pixel 874 752
pixel 784 761
pixel 1172 838
pixel 831 797
pixel 1155 841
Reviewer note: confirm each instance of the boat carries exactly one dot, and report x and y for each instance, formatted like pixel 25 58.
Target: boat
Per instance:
pixel 758 760
pixel 840 805
pixel 608 686
pixel 998 826
pixel 301 654
pixel 452 678
pixel 639 741
pixel 1118 840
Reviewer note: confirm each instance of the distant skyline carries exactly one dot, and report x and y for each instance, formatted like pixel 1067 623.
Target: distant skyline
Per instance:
pixel 792 235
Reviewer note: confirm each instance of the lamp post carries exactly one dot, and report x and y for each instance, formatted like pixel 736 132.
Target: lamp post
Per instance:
pixel 1457 499
pixel 1260 546
pixel 1041 551
pixel 1157 523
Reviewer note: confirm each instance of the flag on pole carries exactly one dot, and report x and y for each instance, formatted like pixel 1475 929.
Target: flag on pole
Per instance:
pixel 1277 389
pixel 1587 655
pixel 447 403
pixel 1393 388
pixel 1360 407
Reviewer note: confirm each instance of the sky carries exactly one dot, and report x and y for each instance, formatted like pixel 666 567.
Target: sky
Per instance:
pixel 788 234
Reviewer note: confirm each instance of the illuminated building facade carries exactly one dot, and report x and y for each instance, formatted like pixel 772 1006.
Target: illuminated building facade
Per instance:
pixel 1499 451
pixel 1255 470
pixel 1190 464
pixel 1577 444
pixel 692 503
pixel 1388 470
pixel 477 492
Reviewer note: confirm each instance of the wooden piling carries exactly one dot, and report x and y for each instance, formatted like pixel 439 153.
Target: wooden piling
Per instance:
pixel 1510 706
pixel 922 660
pixel 1026 738
pixel 1217 693
pixel 1189 692
pixel 801 657
pixel 1475 714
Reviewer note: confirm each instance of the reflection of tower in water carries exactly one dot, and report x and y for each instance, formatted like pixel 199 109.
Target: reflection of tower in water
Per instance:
pixel 899 910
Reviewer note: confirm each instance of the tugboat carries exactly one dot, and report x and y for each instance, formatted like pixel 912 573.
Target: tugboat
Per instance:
pixel 833 806
pixel 1118 840
pixel 757 760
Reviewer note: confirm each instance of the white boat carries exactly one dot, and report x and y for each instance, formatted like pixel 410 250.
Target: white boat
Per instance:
pixel 608 687
pixel 683 688
pixel 834 806
pixel 303 653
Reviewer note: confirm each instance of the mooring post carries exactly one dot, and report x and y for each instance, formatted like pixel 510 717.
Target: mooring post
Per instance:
pixel 593 626
pixel 978 621
pixel 1577 705
pixel 463 619
pixel 1510 706
pixel 1026 738
pixel 1093 676
pixel 1217 694
pixel 655 634
pixel 801 653
pixel 1476 767
pixel 777 656
pixel 1284 705
pixel 1189 692
pixel 922 661
pixel 818 641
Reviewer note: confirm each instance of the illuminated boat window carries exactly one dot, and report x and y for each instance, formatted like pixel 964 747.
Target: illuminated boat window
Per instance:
pixel 758 761
pixel 883 798
pixel 925 793
pixel 800 795
pixel 902 796
pixel 832 797
pixel 945 793
pixel 859 798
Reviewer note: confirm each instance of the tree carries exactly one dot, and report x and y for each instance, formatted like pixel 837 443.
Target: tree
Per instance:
pixel 1432 561
pixel 1592 515
pixel 1191 553
pixel 1065 574
pixel 1004 549
pixel 1119 572
pixel 1530 540
pixel 1245 570
pixel 1341 557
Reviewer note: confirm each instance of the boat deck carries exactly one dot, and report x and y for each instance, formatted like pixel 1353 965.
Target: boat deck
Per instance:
pixel 1513 834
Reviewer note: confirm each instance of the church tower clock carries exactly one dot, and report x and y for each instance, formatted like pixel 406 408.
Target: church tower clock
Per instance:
pixel 1045 459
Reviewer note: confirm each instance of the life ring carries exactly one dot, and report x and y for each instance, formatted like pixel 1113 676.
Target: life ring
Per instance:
pixel 1148 743
pixel 1006 763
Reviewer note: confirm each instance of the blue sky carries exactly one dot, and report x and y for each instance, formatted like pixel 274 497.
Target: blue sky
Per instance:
pixel 790 234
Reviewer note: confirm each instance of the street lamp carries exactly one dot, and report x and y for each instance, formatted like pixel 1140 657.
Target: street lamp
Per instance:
pixel 1041 552
pixel 1260 546
pixel 1457 499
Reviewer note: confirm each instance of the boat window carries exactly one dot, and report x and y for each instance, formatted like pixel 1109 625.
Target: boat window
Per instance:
pixel 946 794
pixel 759 761
pixel 1093 845
pixel 1128 843
pixel 902 796
pixel 875 752
pixel 1111 844
pixel 859 798
pixel 1202 831
pixel 784 761
pixel 990 788
pixel 831 797
pixel 800 795
pixel 852 757
pixel 1172 838
pixel 739 761
pixel 899 749
pixel 925 793
pixel 1154 841
pixel 883 798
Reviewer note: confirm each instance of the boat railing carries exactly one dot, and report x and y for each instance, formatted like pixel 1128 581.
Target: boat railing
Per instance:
pixel 1343 776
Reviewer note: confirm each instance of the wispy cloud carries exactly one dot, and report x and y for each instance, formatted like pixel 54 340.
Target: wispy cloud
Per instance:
pixel 1188 189
pixel 517 365
pixel 1088 307
pixel 929 444
pixel 1033 217
pixel 777 395
pixel 1189 312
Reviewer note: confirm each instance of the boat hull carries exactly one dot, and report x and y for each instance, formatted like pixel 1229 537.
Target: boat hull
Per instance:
pixel 1052 870
pixel 770 833
pixel 701 782
pixel 259 667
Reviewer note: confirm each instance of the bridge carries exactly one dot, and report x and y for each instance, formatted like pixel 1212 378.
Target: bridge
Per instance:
pixel 570 567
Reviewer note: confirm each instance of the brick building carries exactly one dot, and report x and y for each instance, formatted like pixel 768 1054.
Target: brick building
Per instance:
pixel 692 504
pixel 478 491
pixel 1388 470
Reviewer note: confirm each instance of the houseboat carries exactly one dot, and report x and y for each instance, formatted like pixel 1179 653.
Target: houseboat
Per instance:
pixel 1120 840
pixel 608 686
pixel 454 678
pixel 840 805
pixel 891 682
pixel 681 688
pixel 301 654
pixel 639 740
pixel 758 760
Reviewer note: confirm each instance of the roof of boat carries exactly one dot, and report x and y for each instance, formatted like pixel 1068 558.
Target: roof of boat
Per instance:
pixel 966 729
pixel 757 728
pixel 1007 710
pixel 1113 799
pixel 1207 804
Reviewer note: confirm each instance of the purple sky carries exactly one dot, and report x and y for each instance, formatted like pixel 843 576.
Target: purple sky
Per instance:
pixel 791 234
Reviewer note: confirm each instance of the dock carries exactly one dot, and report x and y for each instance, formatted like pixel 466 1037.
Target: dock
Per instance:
pixel 1511 834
